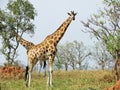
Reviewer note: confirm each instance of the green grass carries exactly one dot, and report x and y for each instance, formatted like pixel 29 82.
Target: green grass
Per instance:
pixel 71 80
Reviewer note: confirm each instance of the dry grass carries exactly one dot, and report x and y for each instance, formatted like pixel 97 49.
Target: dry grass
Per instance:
pixel 62 80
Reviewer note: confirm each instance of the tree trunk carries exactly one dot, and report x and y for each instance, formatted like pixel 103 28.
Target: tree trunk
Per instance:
pixel 103 66
pixel 79 63
pixel 117 66
pixel 73 66
pixel 66 66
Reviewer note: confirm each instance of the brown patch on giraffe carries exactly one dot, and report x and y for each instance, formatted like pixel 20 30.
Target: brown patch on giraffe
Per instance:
pixel 59 38
pixel 51 37
pixel 62 30
pixel 51 47
pixel 44 52
pixel 67 20
pixel 54 52
pixel 64 24
pixel 55 34
pixel 58 34
pixel 55 37
pixel 57 42
pixel 62 33
pixel 43 57
pixel 40 54
pixel 50 41
pixel 44 48
pixel 47 46
pixel 39 46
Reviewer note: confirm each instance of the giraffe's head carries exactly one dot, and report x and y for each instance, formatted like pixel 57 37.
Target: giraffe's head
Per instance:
pixel 72 14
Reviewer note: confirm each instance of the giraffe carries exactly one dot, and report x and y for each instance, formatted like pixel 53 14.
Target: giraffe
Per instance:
pixel 46 50
pixel 29 45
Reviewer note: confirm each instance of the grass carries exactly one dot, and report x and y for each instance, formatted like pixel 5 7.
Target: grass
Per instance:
pixel 70 80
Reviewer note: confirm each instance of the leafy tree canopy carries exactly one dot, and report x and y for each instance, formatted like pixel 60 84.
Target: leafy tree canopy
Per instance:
pixel 17 17
pixel 105 25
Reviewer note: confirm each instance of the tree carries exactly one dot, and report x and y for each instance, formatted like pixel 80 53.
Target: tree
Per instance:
pixel 105 26
pixel 109 2
pixel 81 53
pixel 17 18
pixel 71 54
pixel 101 55
pixel 61 58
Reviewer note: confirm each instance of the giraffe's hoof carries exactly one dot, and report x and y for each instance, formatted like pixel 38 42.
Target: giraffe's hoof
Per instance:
pixel 51 85
pixel 27 85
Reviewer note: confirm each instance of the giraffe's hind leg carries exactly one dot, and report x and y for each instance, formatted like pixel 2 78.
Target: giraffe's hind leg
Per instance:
pixel 40 62
pixel 30 68
pixel 29 76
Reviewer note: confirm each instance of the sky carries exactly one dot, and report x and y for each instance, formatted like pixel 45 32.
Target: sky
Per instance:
pixel 51 14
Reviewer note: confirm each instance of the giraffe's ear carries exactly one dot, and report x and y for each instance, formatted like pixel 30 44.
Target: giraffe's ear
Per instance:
pixel 69 14
pixel 75 14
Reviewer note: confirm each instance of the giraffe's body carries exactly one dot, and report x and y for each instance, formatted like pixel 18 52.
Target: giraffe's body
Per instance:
pixel 46 50
pixel 28 45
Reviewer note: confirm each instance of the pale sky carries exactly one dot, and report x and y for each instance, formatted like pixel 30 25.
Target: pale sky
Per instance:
pixel 51 14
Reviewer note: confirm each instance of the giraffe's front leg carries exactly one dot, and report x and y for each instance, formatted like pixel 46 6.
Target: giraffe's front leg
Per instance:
pixel 49 82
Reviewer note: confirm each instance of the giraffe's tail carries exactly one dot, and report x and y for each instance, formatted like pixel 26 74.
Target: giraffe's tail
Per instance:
pixel 44 65
pixel 26 72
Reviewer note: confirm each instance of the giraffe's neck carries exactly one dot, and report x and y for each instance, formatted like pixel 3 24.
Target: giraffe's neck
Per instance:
pixel 58 34
pixel 24 42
